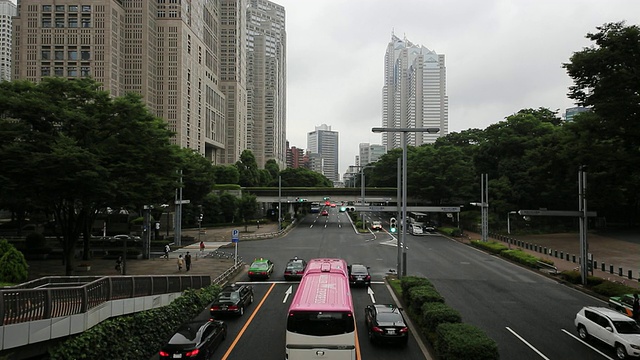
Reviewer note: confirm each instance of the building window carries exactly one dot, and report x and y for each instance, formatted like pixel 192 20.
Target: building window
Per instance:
pixel 85 54
pixel 58 71
pixel 85 71
pixel 86 23
pixel 59 55
pixel 72 55
pixel 73 8
pixel 46 54
pixel 45 71
pixel 72 71
pixel 86 8
pixel 46 8
pixel 46 22
pixel 59 8
pixel 73 22
pixel 59 22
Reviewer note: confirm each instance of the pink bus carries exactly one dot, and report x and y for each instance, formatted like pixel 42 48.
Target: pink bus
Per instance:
pixel 320 322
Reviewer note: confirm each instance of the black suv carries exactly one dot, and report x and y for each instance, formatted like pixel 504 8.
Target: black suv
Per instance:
pixel 359 275
pixel 385 324
pixel 232 300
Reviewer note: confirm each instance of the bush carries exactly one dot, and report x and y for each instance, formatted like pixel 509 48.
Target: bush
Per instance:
pixel 423 294
pixel 575 277
pixel 609 288
pixel 13 266
pixel 456 341
pixel 521 257
pixel 408 282
pixel 491 246
pixel 436 313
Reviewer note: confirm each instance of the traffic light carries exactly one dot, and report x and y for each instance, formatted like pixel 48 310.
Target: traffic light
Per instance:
pixel 393 225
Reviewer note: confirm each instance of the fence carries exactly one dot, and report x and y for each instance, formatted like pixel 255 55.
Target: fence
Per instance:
pixel 559 254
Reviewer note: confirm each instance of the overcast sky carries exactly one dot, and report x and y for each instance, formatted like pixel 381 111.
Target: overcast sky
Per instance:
pixel 501 56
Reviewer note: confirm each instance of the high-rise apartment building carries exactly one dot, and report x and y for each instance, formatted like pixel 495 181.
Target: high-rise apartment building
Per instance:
pixel 414 93
pixel 266 81
pixel 323 147
pixel 370 153
pixel 7 11
pixel 166 50
pixel 295 157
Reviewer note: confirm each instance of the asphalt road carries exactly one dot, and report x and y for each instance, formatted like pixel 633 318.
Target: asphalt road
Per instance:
pixel 528 315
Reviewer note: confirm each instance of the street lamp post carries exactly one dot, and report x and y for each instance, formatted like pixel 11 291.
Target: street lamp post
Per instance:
pixel 508 221
pixel 279 202
pixel 403 218
pixel 362 191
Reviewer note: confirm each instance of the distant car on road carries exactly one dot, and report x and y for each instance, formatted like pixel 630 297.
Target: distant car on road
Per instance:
pixel 324 213
pixel 260 269
pixel 233 299
pixel 385 324
pixel 295 269
pixel 359 275
pixel 376 225
pixel 415 229
pixel 196 339
pixel 127 237
pixel 611 328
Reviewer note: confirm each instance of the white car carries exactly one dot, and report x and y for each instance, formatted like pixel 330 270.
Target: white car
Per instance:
pixel 610 327
pixel 376 225
pixel 415 230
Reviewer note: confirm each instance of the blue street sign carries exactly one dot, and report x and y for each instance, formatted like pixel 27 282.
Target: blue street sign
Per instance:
pixel 235 235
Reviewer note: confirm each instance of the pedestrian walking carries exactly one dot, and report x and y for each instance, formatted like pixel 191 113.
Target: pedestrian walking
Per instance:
pixel 180 263
pixel 166 251
pixel 187 261
pixel 201 246
pixel 636 307
pixel 119 264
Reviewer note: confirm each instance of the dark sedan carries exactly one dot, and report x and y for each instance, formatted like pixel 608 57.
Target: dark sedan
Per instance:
pixel 359 275
pixel 295 269
pixel 233 299
pixel 196 339
pixel 385 324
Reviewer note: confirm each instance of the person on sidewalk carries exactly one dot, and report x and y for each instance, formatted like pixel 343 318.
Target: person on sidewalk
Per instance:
pixel 201 248
pixel 180 263
pixel 119 264
pixel 636 307
pixel 166 251
pixel 187 261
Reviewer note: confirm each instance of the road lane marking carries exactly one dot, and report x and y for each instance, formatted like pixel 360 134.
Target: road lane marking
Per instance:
pixel 246 325
pixel 587 344
pixel 526 343
pixel 287 293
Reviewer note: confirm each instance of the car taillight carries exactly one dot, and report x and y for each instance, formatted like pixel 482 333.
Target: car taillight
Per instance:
pixel 250 272
pixel 192 353
pixel 404 330
pixel 287 272
pixel 263 273
pixel 233 307
pixel 352 277
pixel 377 329
pixel 163 353
pixel 215 307
pixel 368 277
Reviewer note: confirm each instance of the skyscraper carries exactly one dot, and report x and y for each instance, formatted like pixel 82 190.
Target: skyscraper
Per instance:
pixel 266 82
pixel 7 11
pixel 323 147
pixel 414 93
pixel 168 51
pixel 370 153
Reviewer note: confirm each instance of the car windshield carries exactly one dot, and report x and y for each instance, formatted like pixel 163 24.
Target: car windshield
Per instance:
pixel 627 327
pixel 259 265
pixel 297 265
pixel 233 296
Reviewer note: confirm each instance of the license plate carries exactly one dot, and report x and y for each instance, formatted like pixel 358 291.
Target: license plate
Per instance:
pixel 360 278
pixel 391 332
pixel 224 307
pixel 177 356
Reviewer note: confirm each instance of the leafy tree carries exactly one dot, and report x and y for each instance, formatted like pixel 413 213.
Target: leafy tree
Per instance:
pixel 248 169
pixel 226 174
pixel 274 170
pixel 75 150
pixel 265 177
pixel 13 266
pixel 198 176
pixel 247 208
pixel 301 177
pixel 228 207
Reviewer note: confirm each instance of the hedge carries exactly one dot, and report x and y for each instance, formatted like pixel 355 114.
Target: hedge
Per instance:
pixel 521 257
pixel 458 341
pixel 436 313
pixel 407 282
pixel 423 294
pixel 491 246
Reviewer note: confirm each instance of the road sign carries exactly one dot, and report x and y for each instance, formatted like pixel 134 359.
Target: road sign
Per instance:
pixel 183 202
pixel 235 235
pixel 555 213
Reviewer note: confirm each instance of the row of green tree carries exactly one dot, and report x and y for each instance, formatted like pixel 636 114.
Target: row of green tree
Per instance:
pixel 532 157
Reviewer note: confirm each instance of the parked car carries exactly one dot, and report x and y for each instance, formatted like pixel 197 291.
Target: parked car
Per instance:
pixel 611 328
pixel 196 339
pixel 623 304
pixel 385 324
pixel 295 269
pixel 233 299
pixel 359 275
pixel 376 225
pixel 260 269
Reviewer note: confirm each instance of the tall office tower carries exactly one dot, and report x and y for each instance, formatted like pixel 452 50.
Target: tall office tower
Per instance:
pixel 323 146
pixel 7 11
pixel 167 51
pixel 570 113
pixel 370 153
pixel 414 93
pixel 233 77
pixel 266 82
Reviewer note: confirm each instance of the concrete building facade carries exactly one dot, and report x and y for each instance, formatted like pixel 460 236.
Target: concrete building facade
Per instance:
pixel 7 11
pixel 323 147
pixel 369 153
pixel 414 93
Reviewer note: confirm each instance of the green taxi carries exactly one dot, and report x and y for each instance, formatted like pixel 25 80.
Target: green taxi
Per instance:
pixel 260 269
pixel 623 304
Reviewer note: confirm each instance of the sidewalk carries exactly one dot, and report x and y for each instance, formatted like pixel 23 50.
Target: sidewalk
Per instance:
pixel 610 251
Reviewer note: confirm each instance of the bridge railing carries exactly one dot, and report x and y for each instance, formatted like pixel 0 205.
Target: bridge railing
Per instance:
pixel 53 297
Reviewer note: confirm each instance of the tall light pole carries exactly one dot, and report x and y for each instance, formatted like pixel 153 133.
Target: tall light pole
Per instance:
pixel 362 191
pixel 508 221
pixel 403 218
pixel 279 202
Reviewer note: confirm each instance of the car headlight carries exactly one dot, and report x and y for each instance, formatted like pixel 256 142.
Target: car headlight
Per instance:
pixel 637 347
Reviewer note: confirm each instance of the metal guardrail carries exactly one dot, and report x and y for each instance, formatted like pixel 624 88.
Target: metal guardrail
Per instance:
pixel 548 266
pixel 223 278
pixel 59 296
